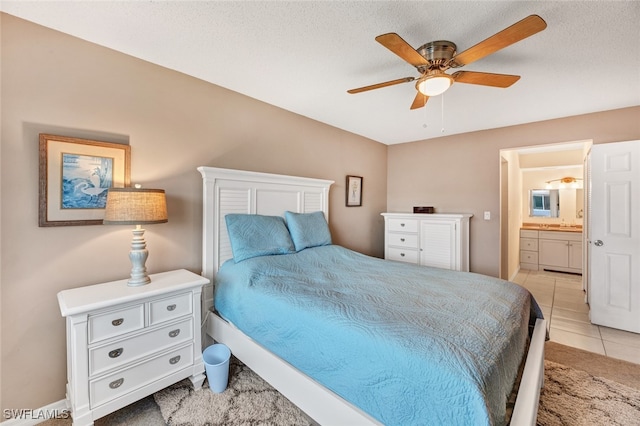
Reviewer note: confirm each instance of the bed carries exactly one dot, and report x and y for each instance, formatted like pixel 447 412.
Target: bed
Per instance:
pixel 383 374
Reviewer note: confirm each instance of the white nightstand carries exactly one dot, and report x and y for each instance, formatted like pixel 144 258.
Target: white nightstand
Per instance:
pixel 125 343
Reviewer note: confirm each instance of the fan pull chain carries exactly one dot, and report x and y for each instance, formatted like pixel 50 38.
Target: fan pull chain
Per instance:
pixel 425 125
pixel 442 113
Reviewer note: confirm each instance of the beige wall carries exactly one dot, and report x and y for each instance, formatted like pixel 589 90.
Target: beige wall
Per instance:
pixel 58 84
pixel 461 173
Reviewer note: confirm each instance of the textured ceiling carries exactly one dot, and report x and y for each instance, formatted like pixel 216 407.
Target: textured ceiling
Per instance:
pixel 303 56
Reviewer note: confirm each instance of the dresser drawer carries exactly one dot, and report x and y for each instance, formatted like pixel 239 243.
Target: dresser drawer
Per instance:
pixel 122 382
pixel 402 255
pixel 402 225
pixel 529 257
pixel 170 308
pixel 115 323
pixel 111 356
pixel 402 240
pixel 530 244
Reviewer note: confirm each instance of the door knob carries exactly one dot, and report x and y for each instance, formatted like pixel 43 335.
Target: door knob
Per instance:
pixel 598 243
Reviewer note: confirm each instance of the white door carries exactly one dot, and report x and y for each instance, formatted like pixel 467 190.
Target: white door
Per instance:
pixel 614 235
pixel 586 229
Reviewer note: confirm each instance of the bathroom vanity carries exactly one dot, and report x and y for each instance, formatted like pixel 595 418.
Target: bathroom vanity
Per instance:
pixel 551 248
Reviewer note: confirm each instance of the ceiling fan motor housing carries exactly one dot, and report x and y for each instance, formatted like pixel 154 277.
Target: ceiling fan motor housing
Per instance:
pixel 438 52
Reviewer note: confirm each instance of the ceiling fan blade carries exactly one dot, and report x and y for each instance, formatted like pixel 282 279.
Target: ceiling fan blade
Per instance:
pixel 529 26
pixel 419 101
pixel 379 85
pixel 397 45
pixel 485 78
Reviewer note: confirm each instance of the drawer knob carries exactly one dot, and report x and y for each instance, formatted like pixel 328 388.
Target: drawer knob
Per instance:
pixel 174 333
pixel 117 322
pixel 116 383
pixel 402 239
pixel 174 360
pixel 171 307
pixel 402 225
pixel 116 353
pixel 401 254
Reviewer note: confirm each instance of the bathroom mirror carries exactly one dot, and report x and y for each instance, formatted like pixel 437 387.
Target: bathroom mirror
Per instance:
pixel 544 203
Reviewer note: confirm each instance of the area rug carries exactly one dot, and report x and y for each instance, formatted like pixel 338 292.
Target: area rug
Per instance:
pixel 248 400
pixel 570 397
pixel 574 397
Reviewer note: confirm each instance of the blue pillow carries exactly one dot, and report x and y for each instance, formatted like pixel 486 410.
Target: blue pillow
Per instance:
pixel 253 235
pixel 308 229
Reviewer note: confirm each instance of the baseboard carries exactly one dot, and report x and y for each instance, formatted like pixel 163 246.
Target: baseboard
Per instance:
pixel 34 416
pixel 513 277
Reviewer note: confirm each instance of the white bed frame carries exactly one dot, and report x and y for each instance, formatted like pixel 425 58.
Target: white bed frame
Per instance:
pixel 235 191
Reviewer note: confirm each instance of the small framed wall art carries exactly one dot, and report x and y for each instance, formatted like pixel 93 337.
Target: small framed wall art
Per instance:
pixel 354 191
pixel 75 175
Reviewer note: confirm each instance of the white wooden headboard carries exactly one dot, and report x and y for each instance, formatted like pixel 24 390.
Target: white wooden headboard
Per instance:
pixel 237 191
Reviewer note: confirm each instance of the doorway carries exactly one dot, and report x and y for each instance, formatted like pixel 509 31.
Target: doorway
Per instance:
pixel 531 168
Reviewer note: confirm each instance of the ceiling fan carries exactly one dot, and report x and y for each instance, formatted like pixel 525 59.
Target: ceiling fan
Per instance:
pixel 434 58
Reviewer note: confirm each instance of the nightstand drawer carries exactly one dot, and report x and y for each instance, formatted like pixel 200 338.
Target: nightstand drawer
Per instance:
pixel 120 383
pixel 402 225
pixel 403 240
pixel 119 353
pixel 169 308
pixel 402 255
pixel 115 323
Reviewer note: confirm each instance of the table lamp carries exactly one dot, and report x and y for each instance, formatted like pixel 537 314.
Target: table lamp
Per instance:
pixel 136 206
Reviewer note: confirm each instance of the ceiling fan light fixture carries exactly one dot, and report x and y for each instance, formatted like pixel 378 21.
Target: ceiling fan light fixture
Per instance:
pixel 434 85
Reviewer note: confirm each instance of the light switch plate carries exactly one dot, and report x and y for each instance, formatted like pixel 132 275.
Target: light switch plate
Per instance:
pixel 487 215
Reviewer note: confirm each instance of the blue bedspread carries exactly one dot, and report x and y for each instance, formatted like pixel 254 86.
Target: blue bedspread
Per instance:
pixel 407 344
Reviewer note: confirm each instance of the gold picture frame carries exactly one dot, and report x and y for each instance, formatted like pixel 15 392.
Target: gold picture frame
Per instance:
pixel 75 175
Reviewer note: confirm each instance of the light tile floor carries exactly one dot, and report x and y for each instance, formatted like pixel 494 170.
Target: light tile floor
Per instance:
pixel 563 303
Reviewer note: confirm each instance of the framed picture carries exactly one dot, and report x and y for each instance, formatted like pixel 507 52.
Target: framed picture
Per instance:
pixel 354 191
pixel 75 175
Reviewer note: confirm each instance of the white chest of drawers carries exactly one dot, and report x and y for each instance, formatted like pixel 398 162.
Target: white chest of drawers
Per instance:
pixel 440 240
pixel 125 343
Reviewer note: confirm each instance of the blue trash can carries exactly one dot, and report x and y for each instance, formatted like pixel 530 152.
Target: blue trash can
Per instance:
pixel 216 363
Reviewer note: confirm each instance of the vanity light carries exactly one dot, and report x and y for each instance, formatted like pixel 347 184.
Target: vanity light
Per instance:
pixel 565 181
pixel 136 206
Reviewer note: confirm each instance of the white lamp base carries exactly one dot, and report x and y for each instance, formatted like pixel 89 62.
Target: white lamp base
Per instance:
pixel 138 256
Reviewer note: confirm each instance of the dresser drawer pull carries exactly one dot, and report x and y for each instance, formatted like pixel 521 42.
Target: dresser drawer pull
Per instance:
pixel 402 239
pixel 174 360
pixel 401 254
pixel 117 322
pixel 174 333
pixel 402 224
pixel 171 307
pixel 116 383
pixel 116 353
